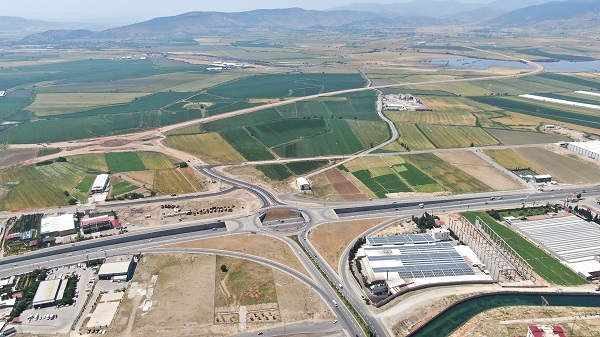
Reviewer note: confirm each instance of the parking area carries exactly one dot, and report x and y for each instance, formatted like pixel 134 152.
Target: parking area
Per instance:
pixel 54 319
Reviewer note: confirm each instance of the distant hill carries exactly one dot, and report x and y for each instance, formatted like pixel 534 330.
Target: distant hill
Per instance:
pixel 477 15
pixel 443 8
pixel 425 8
pixel 198 23
pixel 552 12
pixel 57 35
pixel 15 22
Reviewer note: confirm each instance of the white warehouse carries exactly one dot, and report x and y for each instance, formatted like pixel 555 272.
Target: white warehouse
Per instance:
pixel 100 184
pixel 589 149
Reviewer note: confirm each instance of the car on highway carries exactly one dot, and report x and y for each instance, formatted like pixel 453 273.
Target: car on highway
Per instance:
pixel 259 333
pixel 334 321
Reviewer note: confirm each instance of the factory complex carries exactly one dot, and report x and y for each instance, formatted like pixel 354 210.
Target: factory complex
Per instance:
pixel 415 260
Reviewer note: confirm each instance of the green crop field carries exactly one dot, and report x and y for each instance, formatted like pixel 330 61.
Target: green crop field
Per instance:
pixel 577 80
pixel 284 131
pixel 370 133
pixel 512 137
pixel 93 161
pixel 122 187
pixel 304 167
pixel 254 118
pixel 246 145
pixel 450 177
pixel 560 113
pixel 275 171
pixel 450 136
pixel 86 183
pixel 124 162
pixel 62 175
pixel 380 185
pixel 543 264
pixel 285 85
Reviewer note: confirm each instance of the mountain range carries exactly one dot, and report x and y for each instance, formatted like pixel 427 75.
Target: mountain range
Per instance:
pixel 399 15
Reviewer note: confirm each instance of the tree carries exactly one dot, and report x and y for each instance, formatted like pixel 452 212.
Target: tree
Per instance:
pixel 72 201
pixel 66 193
pixel 224 268
pixel 61 159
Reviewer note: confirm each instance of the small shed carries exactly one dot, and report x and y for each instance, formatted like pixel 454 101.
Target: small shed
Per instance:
pixel 303 184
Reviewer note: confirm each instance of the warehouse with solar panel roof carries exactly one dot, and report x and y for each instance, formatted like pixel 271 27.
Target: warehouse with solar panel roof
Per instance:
pixel 399 262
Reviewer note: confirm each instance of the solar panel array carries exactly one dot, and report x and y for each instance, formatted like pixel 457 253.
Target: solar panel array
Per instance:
pixel 420 261
pixel 401 239
pixel 570 238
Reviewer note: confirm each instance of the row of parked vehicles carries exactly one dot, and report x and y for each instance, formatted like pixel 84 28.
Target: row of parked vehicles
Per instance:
pixel 38 317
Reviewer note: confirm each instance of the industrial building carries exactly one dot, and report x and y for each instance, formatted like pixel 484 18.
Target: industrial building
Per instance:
pixel 117 268
pixel 58 225
pixel 97 224
pixel 412 260
pixel 303 184
pixel 589 149
pixel 542 178
pixel 100 183
pixel 569 238
pixel 49 292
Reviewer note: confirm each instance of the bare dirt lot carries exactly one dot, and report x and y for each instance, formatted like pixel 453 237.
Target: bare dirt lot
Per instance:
pixel 13 157
pixel 243 201
pixel 252 244
pixel 512 321
pixel 332 238
pixel 480 169
pixel 175 295
pixel 343 186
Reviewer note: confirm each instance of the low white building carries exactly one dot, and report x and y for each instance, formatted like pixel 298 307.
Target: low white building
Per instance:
pixel 100 183
pixel 58 225
pixel 440 234
pixel 48 293
pixel 303 184
pixel 589 149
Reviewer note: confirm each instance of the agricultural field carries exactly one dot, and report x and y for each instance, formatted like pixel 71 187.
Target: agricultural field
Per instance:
pixel 55 184
pixel 510 160
pixel 450 136
pixel 451 178
pixel 385 175
pixel 578 116
pixel 477 167
pixel 63 103
pixel 513 137
pixel 287 85
pixel 565 166
pixel 211 147
pixel 280 172
pixel 328 129
pixel 543 264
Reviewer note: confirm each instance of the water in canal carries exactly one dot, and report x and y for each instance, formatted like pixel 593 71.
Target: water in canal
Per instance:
pixel 460 313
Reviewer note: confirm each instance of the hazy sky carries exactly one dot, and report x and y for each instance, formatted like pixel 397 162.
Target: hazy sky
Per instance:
pixel 93 10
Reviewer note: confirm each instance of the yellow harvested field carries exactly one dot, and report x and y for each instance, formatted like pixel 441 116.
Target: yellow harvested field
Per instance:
pixel 331 239
pixel 365 163
pixel 252 244
pixel 187 130
pixel 565 167
pixel 145 177
pixel 447 117
pixel 155 161
pixel 480 169
pixel 413 137
pixel 451 136
pixel 211 147
pixel 509 159
pixel 174 181
pixel 64 103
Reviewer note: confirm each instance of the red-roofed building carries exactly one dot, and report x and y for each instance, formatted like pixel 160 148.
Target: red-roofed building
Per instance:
pixel 96 224
pixel 545 331
pixel 13 236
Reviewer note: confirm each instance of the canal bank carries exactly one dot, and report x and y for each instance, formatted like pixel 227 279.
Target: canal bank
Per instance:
pixel 456 315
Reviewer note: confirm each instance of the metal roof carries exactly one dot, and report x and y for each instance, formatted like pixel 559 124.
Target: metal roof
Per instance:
pixel 59 223
pixel 401 239
pixel 47 292
pixel 115 268
pixel 570 238
pixel 438 259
